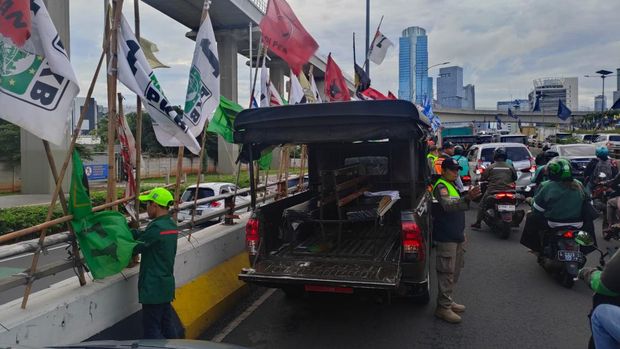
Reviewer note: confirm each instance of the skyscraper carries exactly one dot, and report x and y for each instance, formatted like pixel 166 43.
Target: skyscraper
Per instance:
pixel 600 103
pixel 450 87
pixel 413 81
pixel 616 94
pixel 469 97
pixel 553 89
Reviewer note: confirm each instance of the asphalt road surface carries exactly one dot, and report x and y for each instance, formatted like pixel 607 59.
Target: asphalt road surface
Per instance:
pixel 511 303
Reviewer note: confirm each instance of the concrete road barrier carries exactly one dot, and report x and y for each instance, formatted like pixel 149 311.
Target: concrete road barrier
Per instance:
pixel 206 271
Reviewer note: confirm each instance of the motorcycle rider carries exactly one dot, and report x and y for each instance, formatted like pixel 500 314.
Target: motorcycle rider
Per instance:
pixel 613 203
pixel 602 164
pixel 459 156
pixel 559 202
pixel 500 175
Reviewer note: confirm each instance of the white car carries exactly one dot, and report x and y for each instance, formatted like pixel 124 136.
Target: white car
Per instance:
pixel 480 156
pixel 610 140
pixel 206 190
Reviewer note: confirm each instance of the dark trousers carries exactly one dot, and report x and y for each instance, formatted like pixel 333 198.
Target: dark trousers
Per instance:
pixel 158 321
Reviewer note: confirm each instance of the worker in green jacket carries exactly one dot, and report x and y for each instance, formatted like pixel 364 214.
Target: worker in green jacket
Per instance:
pixel 158 246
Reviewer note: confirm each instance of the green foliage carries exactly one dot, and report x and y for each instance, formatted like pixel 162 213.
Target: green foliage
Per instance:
pixel 10 140
pixel 17 218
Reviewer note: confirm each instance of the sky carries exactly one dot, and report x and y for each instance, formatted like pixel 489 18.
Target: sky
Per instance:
pixel 502 45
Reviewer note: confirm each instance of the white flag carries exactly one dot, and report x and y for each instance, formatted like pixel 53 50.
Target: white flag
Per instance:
pixel 274 96
pixel 203 88
pixel 379 47
pixel 265 92
pixel 37 83
pixel 135 72
pixel 297 92
pixel 315 90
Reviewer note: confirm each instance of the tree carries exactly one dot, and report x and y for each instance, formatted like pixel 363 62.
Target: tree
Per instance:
pixel 10 140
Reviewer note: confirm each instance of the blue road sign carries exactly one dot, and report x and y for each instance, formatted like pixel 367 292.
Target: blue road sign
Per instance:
pixel 96 171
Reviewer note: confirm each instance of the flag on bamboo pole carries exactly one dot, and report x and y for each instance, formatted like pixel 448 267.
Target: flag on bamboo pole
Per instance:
pixel 265 92
pixel 15 21
pixel 37 82
pixel 315 90
pixel 305 84
pixel 336 88
pixel 104 237
pixel 275 99
pixel 203 88
pixel 379 47
pixel 284 34
pixel 372 94
pixel 297 92
pixel 150 48
pixel 137 75
pixel 128 154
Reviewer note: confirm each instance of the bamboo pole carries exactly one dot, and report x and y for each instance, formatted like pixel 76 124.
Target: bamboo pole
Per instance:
pixel 63 202
pixel 61 175
pixel 136 9
pixel 177 189
pixel 112 87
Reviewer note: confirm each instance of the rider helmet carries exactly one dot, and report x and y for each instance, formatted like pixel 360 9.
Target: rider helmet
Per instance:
pixel 458 150
pixel 559 169
pixel 602 152
pixel 499 154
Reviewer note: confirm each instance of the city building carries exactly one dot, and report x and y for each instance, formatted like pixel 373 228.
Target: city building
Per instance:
pixel 90 118
pixel 600 103
pixel 517 104
pixel 413 81
pixel 617 91
pixel 550 90
pixel 450 87
pixel 469 97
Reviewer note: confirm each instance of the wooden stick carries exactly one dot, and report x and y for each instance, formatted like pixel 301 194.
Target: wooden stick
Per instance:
pixel 61 176
pixel 65 210
pixel 112 87
pixel 177 189
pixel 136 10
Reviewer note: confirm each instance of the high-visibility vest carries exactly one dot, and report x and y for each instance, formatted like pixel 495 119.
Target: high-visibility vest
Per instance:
pixel 438 163
pixel 452 191
pixel 432 156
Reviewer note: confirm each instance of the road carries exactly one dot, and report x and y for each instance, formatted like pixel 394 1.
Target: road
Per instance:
pixel 511 303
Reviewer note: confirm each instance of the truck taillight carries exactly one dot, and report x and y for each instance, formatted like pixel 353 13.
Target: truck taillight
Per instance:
pixel 413 242
pixel 251 236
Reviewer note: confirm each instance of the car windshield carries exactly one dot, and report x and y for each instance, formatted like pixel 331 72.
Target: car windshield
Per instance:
pixel 614 138
pixel 590 138
pixel 514 154
pixel 189 193
pixel 581 150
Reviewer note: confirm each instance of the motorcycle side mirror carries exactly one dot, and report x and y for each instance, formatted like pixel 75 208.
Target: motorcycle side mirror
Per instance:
pixel 584 239
pixel 602 175
pixel 528 189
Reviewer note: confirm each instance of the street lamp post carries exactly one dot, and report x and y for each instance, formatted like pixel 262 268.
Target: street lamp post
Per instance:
pixel 433 66
pixel 602 74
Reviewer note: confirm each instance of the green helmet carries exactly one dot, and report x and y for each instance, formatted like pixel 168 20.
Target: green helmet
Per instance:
pixel 559 170
pixel 160 196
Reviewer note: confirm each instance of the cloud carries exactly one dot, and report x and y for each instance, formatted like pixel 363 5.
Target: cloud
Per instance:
pixel 502 45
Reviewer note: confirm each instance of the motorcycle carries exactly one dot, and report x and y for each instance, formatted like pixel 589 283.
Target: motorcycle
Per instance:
pixel 502 214
pixel 561 254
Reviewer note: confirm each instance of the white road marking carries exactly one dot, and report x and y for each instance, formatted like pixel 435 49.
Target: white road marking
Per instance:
pixel 31 253
pixel 239 319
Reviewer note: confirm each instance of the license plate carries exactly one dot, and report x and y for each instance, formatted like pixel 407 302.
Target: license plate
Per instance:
pixel 569 256
pixel 510 208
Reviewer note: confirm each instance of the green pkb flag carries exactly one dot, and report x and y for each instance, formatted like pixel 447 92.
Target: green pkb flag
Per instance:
pixel 104 237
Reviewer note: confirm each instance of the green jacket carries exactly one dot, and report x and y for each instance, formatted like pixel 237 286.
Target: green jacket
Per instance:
pixel 560 201
pixel 158 246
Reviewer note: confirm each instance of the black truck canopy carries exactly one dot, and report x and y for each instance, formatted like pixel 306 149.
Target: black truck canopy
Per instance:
pixel 329 122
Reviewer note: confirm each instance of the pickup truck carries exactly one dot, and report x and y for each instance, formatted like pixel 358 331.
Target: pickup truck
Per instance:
pixel 362 224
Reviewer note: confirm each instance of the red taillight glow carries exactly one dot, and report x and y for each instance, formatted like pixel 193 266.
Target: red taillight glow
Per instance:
pixel 504 196
pixel 215 204
pixel 251 236
pixel 466 179
pixel 413 241
pixel 569 234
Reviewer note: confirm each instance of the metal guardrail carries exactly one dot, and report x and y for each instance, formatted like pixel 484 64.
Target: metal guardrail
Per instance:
pixel 52 268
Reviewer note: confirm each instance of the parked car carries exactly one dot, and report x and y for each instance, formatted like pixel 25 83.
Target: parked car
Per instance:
pixel 610 140
pixel 206 190
pixel 481 156
pixel 579 156
pixel 484 138
pixel 587 137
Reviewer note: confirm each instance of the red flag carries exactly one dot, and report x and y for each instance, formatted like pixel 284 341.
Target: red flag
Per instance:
pixel 284 34
pixel 15 22
pixel 371 93
pixel 335 85
pixel 391 95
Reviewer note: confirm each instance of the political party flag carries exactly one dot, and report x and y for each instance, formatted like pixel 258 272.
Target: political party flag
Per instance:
pixel 136 74
pixel 297 92
pixel 128 155
pixel 537 104
pixel 80 205
pixel 362 80
pixel 266 157
pixel 315 90
pixel 203 88
pixel 616 105
pixel 511 114
pixel 427 109
pixel 563 112
pixel 372 94
pixel 37 82
pixel 285 36
pixel 150 49
pixel 104 237
pixel 499 122
pixel 224 119
pixel 379 47
pixel 305 84
pixel 391 95
pixel 274 96
pixel 15 21
pixel 336 88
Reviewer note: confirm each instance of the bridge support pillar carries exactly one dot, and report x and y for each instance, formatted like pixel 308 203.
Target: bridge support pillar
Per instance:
pixel 36 175
pixel 227 51
pixel 277 70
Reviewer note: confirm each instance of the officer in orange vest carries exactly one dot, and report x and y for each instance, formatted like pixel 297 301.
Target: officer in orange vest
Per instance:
pixel 447 151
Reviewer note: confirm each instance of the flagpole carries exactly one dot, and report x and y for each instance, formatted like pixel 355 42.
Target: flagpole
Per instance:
pixel 262 50
pixel 369 49
pixel 112 87
pixel 250 53
pixel 354 56
pixel 63 171
pixel 205 11
pixel 366 64
pixel 136 7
